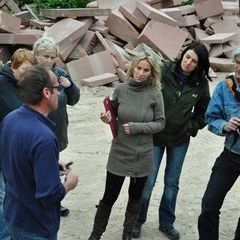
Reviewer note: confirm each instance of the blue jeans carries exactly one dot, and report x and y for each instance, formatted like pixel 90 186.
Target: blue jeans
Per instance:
pixel 175 159
pixel 4 234
pixel 225 172
pixel 18 234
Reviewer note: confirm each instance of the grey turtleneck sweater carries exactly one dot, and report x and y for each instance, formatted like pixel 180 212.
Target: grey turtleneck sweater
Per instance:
pixel 142 107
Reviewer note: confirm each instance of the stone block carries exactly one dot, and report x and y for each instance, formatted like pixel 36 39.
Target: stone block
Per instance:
pixel 122 75
pixel 74 12
pixel 76 53
pixel 9 23
pixel 25 17
pixel 170 42
pixel 205 9
pixel 26 37
pixel 189 20
pixel 216 50
pixel 227 50
pixel 219 38
pixel 174 13
pixel 67 33
pixel 200 34
pixel 232 7
pixel 113 4
pixel 130 11
pixel 155 14
pixel 221 64
pixel 165 3
pixel 88 41
pixel 187 9
pixel 121 27
pixel 92 65
pixel 99 80
pixel 227 26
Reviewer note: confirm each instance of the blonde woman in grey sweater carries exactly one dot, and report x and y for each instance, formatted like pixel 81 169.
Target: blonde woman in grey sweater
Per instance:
pixel 140 113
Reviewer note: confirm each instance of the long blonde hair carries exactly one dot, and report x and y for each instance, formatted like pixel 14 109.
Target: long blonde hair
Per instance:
pixel 155 69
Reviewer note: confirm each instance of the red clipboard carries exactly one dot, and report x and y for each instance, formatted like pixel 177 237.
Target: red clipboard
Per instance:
pixel 113 123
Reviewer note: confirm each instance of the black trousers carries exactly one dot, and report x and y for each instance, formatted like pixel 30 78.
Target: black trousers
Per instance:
pixel 224 174
pixel 114 184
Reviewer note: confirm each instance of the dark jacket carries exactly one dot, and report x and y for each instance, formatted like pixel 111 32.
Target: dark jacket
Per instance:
pixel 184 104
pixel 9 93
pixel 68 96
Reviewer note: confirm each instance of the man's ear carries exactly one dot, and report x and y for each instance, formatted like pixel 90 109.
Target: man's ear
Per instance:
pixel 46 93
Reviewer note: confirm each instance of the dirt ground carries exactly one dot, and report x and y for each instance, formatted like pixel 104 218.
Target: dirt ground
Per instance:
pixel 89 143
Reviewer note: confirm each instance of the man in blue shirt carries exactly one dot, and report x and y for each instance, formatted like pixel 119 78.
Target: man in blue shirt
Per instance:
pixel 223 119
pixel 30 151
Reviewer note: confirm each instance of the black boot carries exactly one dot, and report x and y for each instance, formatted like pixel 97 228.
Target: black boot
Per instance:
pixel 100 221
pixel 237 232
pixel 131 216
pixel 126 236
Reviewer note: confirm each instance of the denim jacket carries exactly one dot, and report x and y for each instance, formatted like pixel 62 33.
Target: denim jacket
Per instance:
pixel 222 107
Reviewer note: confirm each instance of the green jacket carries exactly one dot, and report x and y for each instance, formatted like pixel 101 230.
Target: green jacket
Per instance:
pixel 185 107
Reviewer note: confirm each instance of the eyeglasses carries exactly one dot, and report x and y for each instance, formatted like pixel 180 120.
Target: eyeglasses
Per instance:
pixel 59 87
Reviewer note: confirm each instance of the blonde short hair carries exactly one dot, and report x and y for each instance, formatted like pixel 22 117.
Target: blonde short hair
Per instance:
pixel 155 68
pixel 21 55
pixel 45 44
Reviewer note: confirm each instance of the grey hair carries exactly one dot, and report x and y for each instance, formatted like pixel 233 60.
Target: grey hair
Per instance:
pixel 45 43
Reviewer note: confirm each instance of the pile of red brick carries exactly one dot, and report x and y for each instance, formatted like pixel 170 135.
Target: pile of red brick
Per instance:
pixel 97 42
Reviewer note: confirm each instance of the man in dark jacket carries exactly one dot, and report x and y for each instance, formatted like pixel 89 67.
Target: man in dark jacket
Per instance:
pixel 46 50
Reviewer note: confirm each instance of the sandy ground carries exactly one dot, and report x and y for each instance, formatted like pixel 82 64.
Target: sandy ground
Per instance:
pixel 89 143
